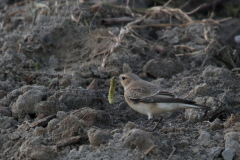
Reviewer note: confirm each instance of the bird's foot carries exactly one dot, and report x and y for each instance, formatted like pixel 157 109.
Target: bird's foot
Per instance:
pixel 149 121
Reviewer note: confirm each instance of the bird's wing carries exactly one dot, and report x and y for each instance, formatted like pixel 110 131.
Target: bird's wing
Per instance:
pixel 161 99
pixel 146 90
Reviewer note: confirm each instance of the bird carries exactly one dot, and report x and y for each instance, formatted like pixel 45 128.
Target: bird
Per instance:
pixel 147 98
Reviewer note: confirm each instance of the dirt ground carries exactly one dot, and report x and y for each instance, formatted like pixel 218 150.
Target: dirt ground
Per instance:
pixel 57 58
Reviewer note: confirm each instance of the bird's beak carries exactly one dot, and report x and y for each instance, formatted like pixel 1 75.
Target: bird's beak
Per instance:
pixel 116 77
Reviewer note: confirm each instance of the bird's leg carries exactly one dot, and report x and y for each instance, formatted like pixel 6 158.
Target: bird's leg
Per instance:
pixel 156 125
pixel 147 121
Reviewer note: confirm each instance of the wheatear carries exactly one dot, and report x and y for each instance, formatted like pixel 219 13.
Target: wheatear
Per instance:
pixel 147 98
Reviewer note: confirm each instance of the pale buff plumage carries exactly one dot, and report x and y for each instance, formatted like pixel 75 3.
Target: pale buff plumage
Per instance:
pixel 147 98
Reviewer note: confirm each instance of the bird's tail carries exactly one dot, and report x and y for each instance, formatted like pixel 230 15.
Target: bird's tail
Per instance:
pixel 197 106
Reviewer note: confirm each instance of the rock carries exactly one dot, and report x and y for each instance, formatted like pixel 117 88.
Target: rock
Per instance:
pixel 25 103
pixel 214 152
pixel 126 68
pixel 34 149
pixel 52 125
pixel 7 122
pixel 195 150
pixel 184 143
pixel 212 71
pixel 175 157
pixel 97 136
pixel 162 68
pixel 228 153
pixel 200 114
pixel 61 115
pixel 130 125
pixel 216 124
pixel 200 89
pixel 30 64
pixel 14 136
pixel 84 148
pixel 232 141
pixel 93 85
pixel 5 111
pixel 39 131
pixel 68 127
pixel 78 97
pixel 139 139
pixel 204 139
pixel 138 48
pixel 50 106
pixel 68 141
pixel 5 86
pixel 2 94
pixel 65 82
pixel 92 117
pixel 74 154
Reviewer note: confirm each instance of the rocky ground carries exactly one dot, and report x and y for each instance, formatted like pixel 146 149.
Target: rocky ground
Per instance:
pixel 57 58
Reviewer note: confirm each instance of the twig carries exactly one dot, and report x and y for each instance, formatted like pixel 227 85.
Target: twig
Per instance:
pixel 166 4
pixel 43 122
pixel 235 69
pixel 225 19
pixel 196 9
pixel 20 46
pixel 149 149
pixel 68 141
pixel 184 5
pixel 193 53
pixel 174 149
pixel 184 47
pixel 123 31
pixel 205 60
pixel 189 93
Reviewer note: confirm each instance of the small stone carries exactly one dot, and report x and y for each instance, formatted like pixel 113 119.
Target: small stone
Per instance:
pixel 184 143
pixel 130 125
pixel 84 148
pixel 216 124
pixel 232 140
pixel 175 157
pixel 143 76
pixel 127 68
pixel 200 89
pixel 116 131
pixel 74 154
pixel 195 150
pixel 164 68
pixel 237 38
pixel 214 152
pixel 97 136
pixel 117 136
pixel 39 131
pixel 2 94
pixel 204 138
pixel 212 71
pixel 61 115
pixel 13 136
pixel 139 139
pixel 93 85
pixel 52 125
pixel 228 153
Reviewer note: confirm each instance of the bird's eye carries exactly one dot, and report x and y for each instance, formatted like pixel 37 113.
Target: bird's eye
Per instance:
pixel 123 78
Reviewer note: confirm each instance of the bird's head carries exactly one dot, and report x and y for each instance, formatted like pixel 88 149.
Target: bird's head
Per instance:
pixel 128 78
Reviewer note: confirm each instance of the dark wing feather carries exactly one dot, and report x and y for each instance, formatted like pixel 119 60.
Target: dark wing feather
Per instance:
pixel 164 93
pixel 160 99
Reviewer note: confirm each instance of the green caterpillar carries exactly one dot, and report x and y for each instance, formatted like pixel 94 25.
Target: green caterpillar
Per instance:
pixel 111 90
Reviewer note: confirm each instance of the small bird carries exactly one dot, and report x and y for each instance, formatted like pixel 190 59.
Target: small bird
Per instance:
pixel 148 99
